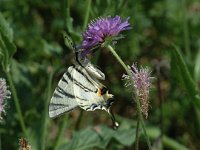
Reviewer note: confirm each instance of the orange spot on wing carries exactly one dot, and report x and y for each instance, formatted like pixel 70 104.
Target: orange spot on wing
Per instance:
pixel 99 92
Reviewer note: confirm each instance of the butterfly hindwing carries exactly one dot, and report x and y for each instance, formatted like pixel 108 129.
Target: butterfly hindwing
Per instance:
pixel 86 90
pixel 63 99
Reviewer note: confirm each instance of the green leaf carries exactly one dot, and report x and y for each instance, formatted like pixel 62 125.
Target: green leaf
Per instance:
pixel 7 48
pixel 100 137
pixel 123 136
pixel 126 137
pixel 83 140
pixel 182 72
pixel 197 66
pixel 21 73
pixel 5 28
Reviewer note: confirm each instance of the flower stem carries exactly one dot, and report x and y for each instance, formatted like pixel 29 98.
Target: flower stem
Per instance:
pixel 17 105
pixel 142 122
pixel 61 132
pixel 137 135
pixel 137 100
pixel 119 59
pixel 45 113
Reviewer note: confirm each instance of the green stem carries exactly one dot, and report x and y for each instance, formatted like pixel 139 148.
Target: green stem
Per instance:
pixel 119 59
pixel 137 135
pixel 137 100
pixel 45 114
pixel 17 105
pixel 142 122
pixel 0 142
pixel 186 30
pixel 79 120
pixel 61 132
pixel 65 12
pixel 87 14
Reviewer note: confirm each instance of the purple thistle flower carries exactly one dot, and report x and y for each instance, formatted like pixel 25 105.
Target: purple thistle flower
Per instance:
pixel 141 81
pixel 101 30
pixel 4 94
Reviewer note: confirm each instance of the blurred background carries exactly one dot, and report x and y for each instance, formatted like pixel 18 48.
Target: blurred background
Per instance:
pixel 164 37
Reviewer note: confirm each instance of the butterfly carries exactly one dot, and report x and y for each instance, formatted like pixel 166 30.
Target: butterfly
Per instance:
pixel 80 86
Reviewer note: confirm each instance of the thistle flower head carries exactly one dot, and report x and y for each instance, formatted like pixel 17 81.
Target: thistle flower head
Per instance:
pixel 141 81
pixel 101 30
pixel 4 94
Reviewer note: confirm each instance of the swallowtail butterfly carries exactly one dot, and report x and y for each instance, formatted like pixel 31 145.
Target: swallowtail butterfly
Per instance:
pixel 80 86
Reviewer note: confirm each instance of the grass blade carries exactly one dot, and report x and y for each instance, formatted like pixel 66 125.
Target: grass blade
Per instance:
pixel 184 74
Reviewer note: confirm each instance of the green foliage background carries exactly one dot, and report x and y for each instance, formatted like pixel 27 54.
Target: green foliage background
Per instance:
pixel 164 36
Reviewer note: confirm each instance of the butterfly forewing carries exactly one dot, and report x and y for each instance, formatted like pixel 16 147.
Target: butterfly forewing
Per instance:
pixel 63 98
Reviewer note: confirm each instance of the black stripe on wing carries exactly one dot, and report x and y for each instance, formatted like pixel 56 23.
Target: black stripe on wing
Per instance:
pixel 57 95
pixel 69 76
pixel 86 77
pixel 63 79
pixel 81 98
pixel 61 91
pixel 56 106
pixel 86 89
